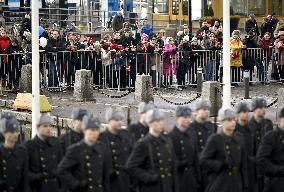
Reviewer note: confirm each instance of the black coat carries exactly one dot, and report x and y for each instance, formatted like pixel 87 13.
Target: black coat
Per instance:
pixel 69 139
pixel 270 156
pixel 258 131
pixel 188 170
pixel 200 133
pixel 84 168
pixel 248 143
pixel 138 130
pixel 152 162
pixel 13 169
pixel 119 148
pixel 250 25
pixel 225 161
pixel 43 158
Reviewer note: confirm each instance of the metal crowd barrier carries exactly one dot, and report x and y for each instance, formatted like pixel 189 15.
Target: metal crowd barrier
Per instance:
pixel 179 69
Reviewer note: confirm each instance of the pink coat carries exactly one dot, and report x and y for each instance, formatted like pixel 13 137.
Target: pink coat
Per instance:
pixel 170 56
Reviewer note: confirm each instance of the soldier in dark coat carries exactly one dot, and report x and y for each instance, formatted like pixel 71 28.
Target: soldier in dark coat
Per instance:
pixel 224 157
pixel 76 134
pixel 152 161
pixel 242 110
pixel 44 154
pixel 270 157
pixel 259 126
pixel 119 144
pixel 85 165
pixel 200 129
pixel 13 159
pixel 140 129
pixel 9 115
pixel 186 152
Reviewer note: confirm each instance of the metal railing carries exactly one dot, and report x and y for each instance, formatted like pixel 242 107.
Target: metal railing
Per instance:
pixel 118 70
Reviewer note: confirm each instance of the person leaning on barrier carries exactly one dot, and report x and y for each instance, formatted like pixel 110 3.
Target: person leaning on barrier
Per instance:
pixel 188 170
pixel 75 134
pixel 270 157
pixel 44 154
pixel 140 129
pixel 184 61
pixel 119 145
pixel 13 159
pixel 152 161
pixel 259 126
pixel 86 163
pixel 224 157
pixel 279 44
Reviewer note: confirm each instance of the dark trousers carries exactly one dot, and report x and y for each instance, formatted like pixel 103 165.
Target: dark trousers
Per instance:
pixel 181 72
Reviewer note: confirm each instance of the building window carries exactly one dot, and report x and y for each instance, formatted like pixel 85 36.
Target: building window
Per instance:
pixel 161 6
pixel 276 6
pixel 239 7
pixel 257 7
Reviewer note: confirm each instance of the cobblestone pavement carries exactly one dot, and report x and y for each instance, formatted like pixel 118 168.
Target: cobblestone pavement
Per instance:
pixel 63 102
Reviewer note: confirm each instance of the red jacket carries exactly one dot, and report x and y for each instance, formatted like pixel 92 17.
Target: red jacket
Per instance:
pixel 4 44
pixel 264 44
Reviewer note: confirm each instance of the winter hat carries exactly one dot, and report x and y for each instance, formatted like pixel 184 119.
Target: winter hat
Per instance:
pixel 154 115
pixel 237 33
pixel 185 38
pixel 183 111
pixel 90 122
pixel 44 119
pixel 258 103
pixel 280 33
pixel 7 115
pixel 194 39
pixel 202 103
pixel 281 113
pixel 144 35
pixel 114 113
pixel 242 107
pixel 9 125
pixel 226 113
pixel 78 114
pixel 144 107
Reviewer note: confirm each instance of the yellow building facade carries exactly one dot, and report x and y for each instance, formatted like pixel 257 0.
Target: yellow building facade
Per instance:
pixel 245 7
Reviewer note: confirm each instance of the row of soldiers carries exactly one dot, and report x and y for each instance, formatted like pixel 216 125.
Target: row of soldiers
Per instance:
pixel 240 155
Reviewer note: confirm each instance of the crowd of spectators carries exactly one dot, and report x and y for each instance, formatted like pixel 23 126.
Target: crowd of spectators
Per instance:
pixel 135 49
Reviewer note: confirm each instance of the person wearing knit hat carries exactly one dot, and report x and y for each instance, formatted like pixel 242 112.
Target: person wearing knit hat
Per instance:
pixel 6 115
pixel 87 161
pixel 236 33
pixel 119 143
pixel 225 176
pixel 201 128
pixel 270 155
pixel 13 158
pixel 75 134
pixel 154 150
pixel 185 150
pixel 44 151
pixel 140 129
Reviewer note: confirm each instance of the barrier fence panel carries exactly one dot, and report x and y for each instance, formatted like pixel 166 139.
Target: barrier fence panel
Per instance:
pixel 118 70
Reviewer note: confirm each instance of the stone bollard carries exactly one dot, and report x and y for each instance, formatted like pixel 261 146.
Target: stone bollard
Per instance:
pixel 83 90
pixel 26 79
pixel 211 91
pixel 143 88
pixel 280 98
